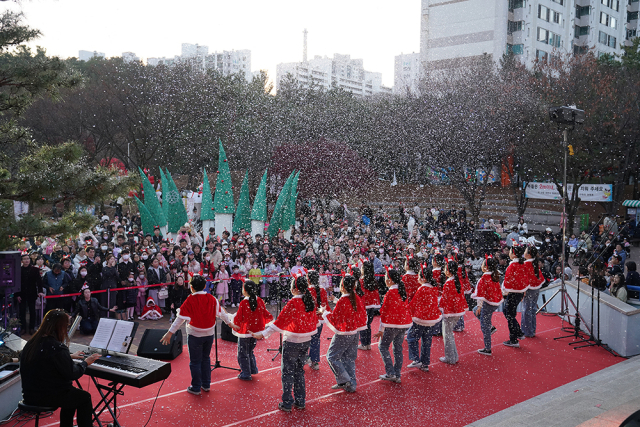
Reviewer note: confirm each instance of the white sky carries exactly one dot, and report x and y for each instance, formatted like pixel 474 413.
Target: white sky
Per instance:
pixel 374 30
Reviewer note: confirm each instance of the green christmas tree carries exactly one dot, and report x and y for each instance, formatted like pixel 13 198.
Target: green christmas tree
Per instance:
pixel 259 211
pixel 151 200
pixel 243 211
pixel 223 199
pixel 293 198
pixel 148 221
pixel 276 218
pixel 177 212
pixel 163 181
pixel 207 211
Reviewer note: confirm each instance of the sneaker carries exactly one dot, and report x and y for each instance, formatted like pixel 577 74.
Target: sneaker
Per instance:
pixel 458 329
pixel 349 388
pixel 364 347
pixel 493 330
pixel 315 366
pixel 511 343
pixel 205 388
pixel 192 391
pixel 424 368
pixel 386 377
pixel 397 380
pixel 414 365
pixel 240 377
pixel 283 408
pixel 338 386
pixel 298 406
pixel 485 352
pixel 308 361
pixel 530 336
pixel 521 337
pixel 444 360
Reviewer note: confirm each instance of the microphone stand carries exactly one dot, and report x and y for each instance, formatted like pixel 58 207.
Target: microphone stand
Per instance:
pixel 280 295
pixel 588 236
pixel 217 363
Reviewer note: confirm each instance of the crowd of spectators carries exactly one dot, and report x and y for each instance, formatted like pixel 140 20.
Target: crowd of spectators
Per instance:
pixel 115 254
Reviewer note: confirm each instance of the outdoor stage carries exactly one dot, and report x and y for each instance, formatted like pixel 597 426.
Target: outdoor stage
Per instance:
pixel 446 396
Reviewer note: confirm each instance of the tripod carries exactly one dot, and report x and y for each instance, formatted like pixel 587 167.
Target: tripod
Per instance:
pixel 217 363
pixel 279 296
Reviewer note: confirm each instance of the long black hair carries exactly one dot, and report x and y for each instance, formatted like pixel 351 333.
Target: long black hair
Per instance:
pixel 439 259
pixel 355 272
pixel 492 266
pixel 302 286
pixel 518 251
pixel 452 266
pixel 369 276
pixel 413 264
pixel 349 284
pixel 426 273
pixel 395 277
pixel 534 254
pixel 54 325
pixel 314 280
pixel 252 289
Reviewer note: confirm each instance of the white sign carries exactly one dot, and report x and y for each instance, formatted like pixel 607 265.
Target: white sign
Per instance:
pixel 587 192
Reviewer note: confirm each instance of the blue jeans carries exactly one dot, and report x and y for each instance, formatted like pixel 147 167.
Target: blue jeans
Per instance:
pixel 485 314
pixel 314 347
pixel 415 334
pixel 393 336
pixel 437 328
pixel 87 326
pixel 341 356
pixel 292 367
pixel 200 361
pixel 246 358
pixel 530 305
pixel 365 336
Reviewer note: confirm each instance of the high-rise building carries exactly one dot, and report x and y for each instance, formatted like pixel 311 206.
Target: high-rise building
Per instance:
pixel 130 57
pixel 455 31
pixel 406 73
pixel 226 62
pixel 85 55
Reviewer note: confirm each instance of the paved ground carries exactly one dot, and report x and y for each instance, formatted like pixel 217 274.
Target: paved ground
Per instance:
pixel 604 398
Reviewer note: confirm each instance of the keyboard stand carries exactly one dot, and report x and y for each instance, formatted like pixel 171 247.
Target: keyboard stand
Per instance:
pixel 108 394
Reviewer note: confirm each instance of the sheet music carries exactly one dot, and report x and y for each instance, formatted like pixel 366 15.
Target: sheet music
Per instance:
pixel 103 334
pixel 119 337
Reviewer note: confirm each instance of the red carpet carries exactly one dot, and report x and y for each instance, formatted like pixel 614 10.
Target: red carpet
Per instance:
pixel 446 396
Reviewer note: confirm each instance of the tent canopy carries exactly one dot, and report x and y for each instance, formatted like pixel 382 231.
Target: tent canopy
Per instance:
pixel 631 203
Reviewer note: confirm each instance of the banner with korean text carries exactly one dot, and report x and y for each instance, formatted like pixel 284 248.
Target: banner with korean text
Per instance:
pixel 587 192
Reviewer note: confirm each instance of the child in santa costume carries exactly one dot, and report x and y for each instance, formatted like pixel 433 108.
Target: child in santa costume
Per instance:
pixel 516 282
pixel 297 322
pixel 321 300
pixel 200 310
pixel 425 314
pixel 453 305
pixel 468 290
pixel 347 319
pixel 410 278
pixel 530 300
pixel 252 315
pixel 395 319
pixel 437 280
pixel 489 296
pixel 370 299
pixel 151 311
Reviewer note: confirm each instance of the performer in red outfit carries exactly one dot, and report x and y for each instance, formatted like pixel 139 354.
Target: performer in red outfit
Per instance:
pixel 297 322
pixel 530 299
pixel 395 319
pixel 347 319
pixel 453 305
pixel 489 296
pixel 371 301
pixel 410 278
pixel 516 282
pixel 320 298
pixel 425 314
pixel 252 315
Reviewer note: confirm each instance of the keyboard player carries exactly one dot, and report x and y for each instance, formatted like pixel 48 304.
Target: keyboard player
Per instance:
pixel 48 370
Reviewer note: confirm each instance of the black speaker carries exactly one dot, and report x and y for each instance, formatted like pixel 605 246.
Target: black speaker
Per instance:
pixel 10 271
pixel 151 347
pixel 226 333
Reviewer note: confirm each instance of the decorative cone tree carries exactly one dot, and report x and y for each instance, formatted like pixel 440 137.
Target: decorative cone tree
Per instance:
pixel 207 211
pixel 275 224
pixel 152 203
pixel 148 221
pixel 242 219
pixel 163 183
pixel 177 212
pixel 259 211
pixel 223 199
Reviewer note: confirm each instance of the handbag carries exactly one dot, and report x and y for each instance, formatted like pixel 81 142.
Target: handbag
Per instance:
pixel 163 293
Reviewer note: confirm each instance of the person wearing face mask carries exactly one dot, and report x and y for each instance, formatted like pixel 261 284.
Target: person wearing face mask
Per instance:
pixel 145 258
pixel 110 280
pixel 125 266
